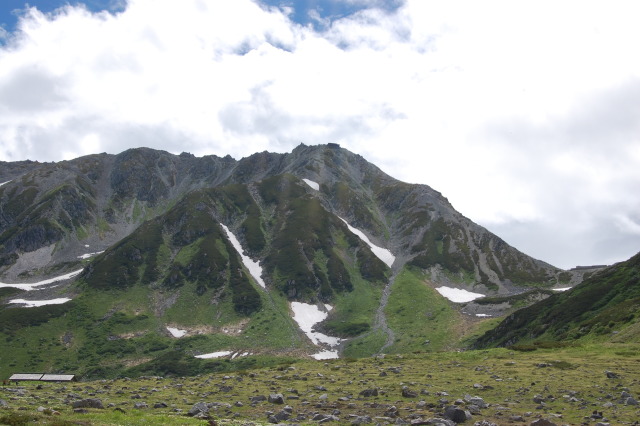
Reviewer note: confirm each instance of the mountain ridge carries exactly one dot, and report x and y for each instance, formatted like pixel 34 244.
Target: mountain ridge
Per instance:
pixel 158 228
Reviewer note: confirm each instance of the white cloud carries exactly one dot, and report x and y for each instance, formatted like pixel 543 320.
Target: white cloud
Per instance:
pixel 524 114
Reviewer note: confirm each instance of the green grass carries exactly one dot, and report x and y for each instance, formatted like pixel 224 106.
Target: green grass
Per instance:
pixel 506 380
pixel 417 313
pixel 366 345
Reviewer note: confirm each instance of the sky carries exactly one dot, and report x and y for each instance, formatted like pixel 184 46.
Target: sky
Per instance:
pixel 524 114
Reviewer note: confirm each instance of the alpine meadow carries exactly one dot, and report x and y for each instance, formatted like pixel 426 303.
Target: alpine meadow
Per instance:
pixel 302 287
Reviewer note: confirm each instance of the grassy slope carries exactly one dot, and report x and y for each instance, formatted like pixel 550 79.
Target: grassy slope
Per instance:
pixel 604 307
pixel 417 313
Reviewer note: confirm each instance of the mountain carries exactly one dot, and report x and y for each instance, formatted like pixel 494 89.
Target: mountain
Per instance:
pixel 149 243
pixel 605 307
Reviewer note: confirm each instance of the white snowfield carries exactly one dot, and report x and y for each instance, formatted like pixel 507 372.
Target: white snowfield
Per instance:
pixel 326 355
pixel 220 354
pixel 561 289
pixel 254 267
pixel 457 295
pixel 214 355
pixel 307 316
pixel 312 184
pixel 3 183
pixel 88 255
pixel 381 253
pixel 29 287
pixel 35 303
pixel 176 332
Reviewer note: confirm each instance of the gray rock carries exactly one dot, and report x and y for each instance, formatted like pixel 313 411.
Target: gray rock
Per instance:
pixel 484 423
pixel 3 403
pixel 258 398
pixel 276 398
pixel 631 401
pixel 369 392
pixel 140 405
pixel 279 417
pixel 408 393
pixel 476 400
pixel 611 375
pixel 198 408
pixel 160 405
pixel 542 422
pixel 456 414
pixel 360 420
pixel 88 403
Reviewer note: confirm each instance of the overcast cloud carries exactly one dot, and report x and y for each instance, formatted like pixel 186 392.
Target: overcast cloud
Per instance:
pixel 525 115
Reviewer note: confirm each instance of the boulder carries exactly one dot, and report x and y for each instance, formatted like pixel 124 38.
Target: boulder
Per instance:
pixel 198 408
pixel 369 392
pixel 457 415
pixel 408 393
pixel 276 398
pixel 611 375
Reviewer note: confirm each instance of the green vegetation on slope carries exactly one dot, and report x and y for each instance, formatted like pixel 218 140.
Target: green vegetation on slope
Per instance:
pixel 420 317
pixel 597 309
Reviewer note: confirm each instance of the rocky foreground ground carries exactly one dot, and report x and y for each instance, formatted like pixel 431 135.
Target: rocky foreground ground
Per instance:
pixel 575 386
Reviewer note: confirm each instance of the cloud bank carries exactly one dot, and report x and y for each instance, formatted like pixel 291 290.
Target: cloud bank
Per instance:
pixel 526 115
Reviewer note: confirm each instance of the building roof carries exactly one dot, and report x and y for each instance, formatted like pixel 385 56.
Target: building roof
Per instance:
pixel 26 376
pixel 57 377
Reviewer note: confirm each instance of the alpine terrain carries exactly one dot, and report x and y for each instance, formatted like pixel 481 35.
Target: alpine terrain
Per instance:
pixel 147 262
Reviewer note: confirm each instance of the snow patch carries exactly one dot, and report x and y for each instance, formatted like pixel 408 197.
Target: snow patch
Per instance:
pixel 326 355
pixel 561 289
pixel 88 255
pixel 381 253
pixel 176 332
pixel 457 295
pixel 29 287
pixel 307 316
pixel 4 183
pixel 214 355
pixel 254 267
pixel 483 315
pixel 35 303
pixel 312 184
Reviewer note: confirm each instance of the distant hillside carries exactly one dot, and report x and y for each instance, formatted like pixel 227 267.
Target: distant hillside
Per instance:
pixel 605 307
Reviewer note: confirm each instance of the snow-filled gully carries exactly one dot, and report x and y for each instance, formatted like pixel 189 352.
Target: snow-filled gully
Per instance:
pixel 254 267
pixel 32 286
pixel 381 253
pixel 307 316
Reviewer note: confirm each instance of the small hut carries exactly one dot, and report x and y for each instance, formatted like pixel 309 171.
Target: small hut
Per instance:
pixel 18 377
pixel 58 378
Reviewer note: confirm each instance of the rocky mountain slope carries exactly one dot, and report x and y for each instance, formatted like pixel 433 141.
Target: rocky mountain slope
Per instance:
pixel 178 253
pixel 605 307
